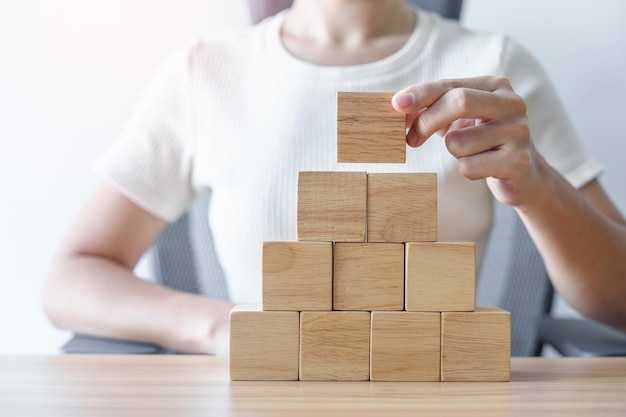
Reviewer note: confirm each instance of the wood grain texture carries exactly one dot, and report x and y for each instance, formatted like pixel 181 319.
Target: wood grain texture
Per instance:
pixel 476 346
pixel 334 346
pixel 440 276
pixel 263 344
pixel 405 346
pixel 369 129
pixel 198 386
pixel 332 206
pixel 402 207
pixel 368 276
pixel 297 276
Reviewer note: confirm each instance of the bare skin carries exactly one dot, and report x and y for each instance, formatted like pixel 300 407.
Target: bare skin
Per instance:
pixel 91 288
pixel 339 32
pixel 580 233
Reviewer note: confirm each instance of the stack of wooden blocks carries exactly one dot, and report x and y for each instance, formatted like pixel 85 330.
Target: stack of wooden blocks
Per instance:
pixel 367 292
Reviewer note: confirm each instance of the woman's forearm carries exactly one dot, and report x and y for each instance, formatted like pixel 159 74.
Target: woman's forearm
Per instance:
pixel 94 295
pixel 583 245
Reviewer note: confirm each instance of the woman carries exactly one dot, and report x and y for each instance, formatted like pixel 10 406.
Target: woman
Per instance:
pixel 243 113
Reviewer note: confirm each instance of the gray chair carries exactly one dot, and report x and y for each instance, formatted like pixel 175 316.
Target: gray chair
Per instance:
pixel 260 9
pixel 513 276
pixel 582 337
pixel 183 256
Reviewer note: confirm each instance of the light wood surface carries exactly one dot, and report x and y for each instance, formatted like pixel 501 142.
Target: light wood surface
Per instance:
pixel 402 207
pixel 368 276
pixel 440 276
pixel 476 345
pixel 297 276
pixel 334 346
pixel 264 345
pixel 369 129
pixel 405 346
pixel 180 385
pixel 332 206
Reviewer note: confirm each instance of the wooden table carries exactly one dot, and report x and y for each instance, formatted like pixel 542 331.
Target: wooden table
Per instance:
pixel 178 385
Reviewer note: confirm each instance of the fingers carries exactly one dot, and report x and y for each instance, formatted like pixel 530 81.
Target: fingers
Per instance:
pixel 416 97
pixel 482 120
pixel 483 123
pixel 434 106
pixel 485 136
pixel 461 103
pixel 501 164
pixel 499 149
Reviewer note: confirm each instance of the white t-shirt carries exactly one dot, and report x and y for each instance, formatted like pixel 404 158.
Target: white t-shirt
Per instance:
pixel 238 114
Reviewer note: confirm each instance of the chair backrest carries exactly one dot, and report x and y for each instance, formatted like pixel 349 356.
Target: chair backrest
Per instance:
pixel 183 257
pixel 260 9
pixel 512 274
pixel 446 8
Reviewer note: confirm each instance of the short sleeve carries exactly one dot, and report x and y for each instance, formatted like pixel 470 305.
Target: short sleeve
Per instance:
pixel 151 162
pixel 553 134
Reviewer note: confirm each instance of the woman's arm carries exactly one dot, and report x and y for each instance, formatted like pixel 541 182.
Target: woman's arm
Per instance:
pixel 582 238
pixel 91 288
pixel 580 234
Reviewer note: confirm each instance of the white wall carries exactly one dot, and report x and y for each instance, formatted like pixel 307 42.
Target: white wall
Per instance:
pixel 582 45
pixel 71 70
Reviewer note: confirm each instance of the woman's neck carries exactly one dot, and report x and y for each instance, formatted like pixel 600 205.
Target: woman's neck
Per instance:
pixel 346 32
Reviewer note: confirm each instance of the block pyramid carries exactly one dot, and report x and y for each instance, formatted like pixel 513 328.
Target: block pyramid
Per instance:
pixel 367 292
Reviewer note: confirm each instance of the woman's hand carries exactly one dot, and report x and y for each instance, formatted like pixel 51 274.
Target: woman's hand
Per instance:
pixel 580 233
pixel 484 125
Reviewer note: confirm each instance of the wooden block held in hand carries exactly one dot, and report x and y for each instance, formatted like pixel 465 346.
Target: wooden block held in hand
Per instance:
pixel 369 129
pixel 263 344
pixel 332 206
pixel 297 276
pixel 334 346
pixel 476 346
pixel 402 207
pixel 368 276
pixel 405 346
pixel 440 276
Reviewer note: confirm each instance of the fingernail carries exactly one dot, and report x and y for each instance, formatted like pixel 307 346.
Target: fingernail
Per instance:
pixel 412 139
pixel 402 100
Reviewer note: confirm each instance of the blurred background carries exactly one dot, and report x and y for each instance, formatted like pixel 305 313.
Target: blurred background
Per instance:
pixel 71 71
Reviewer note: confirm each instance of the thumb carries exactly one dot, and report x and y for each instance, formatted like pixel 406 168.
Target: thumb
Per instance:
pixel 403 101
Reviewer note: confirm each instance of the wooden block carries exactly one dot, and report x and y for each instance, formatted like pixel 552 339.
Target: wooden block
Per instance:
pixel 368 276
pixel 476 346
pixel 440 276
pixel 297 276
pixel 369 129
pixel 402 207
pixel 332 206
pixel 405 346
pixel 334 345
pixel 263 344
